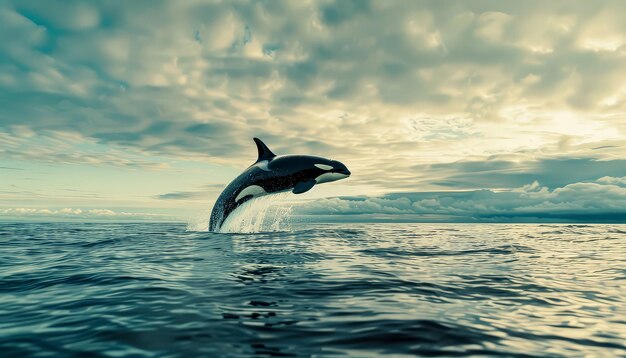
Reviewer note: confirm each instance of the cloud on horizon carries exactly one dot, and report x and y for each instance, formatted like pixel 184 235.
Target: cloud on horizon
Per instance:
pixel 82 214
pixel 599 201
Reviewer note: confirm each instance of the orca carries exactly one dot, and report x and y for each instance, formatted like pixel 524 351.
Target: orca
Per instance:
pixel 272 174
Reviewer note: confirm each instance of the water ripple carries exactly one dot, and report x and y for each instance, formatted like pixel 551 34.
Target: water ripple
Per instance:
pixel 326 290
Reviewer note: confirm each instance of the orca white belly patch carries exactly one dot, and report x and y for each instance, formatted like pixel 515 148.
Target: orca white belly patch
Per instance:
pixel 253 190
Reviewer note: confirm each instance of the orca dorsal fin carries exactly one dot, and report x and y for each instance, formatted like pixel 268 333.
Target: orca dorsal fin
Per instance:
pixel 264 152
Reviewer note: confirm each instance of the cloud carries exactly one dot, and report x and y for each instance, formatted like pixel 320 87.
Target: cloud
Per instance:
pixel 613 181
pixel 502 173
pixel 598 201
pixel 61 148
pixel 412 96
pixel 10 168
pixel 595 201
pixel 180 195
pixel 210 189
pixel 77 213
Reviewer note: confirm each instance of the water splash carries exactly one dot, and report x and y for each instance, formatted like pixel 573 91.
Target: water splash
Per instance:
pixel 200 222
pixel 270 213
pixel 265 214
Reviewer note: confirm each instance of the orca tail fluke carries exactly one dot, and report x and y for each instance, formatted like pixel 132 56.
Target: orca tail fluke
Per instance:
pixel 264 152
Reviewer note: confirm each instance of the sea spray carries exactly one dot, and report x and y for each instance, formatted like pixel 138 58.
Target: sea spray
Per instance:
pixel 200 221
pixel 264 214
pixel 269 213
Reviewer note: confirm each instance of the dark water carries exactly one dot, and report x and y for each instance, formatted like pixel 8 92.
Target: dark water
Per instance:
pixel 359 290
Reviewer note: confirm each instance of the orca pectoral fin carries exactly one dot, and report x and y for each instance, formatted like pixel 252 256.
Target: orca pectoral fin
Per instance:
pixel 303 186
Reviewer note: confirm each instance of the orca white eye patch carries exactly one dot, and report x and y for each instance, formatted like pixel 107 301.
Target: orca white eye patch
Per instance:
pixel 324 166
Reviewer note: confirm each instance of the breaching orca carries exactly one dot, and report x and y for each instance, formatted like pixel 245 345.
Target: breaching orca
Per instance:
pixel 273 174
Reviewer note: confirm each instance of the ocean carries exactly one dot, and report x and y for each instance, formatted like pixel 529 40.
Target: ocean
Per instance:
pixel 319 290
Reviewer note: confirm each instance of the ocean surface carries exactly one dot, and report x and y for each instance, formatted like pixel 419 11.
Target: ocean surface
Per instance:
pixel 78 289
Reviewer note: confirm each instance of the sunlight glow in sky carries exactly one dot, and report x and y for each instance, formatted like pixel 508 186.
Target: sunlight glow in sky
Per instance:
pixel 442 110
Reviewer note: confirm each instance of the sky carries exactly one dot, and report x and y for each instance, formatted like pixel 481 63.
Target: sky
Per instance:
pixel 462 111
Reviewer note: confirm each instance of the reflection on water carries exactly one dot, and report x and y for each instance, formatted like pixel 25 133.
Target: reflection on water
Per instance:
pixel 326 290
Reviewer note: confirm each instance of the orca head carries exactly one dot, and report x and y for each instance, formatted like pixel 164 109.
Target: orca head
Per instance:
pixel 330 170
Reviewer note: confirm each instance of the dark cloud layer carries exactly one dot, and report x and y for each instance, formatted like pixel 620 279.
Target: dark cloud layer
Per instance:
pixel 102 70
pixel 210 189
pixel 552 173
